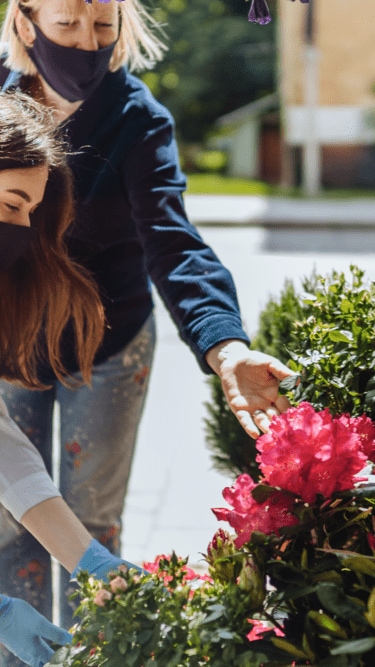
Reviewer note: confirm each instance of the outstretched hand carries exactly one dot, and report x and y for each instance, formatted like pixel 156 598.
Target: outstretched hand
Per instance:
pixel 250 382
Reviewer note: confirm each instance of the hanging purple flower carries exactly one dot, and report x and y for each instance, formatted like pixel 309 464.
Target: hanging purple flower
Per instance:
pixel 259 12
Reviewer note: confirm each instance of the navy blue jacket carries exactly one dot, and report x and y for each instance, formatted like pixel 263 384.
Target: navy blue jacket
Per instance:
pixel 131 224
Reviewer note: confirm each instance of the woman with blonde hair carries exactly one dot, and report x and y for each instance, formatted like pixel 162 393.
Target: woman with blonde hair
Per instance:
pixel 42 292
pixel 130 229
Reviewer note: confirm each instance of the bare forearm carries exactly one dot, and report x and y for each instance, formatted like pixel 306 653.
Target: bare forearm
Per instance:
pixel 57 528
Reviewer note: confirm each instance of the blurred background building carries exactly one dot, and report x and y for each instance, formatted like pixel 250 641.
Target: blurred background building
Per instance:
pixel 326 81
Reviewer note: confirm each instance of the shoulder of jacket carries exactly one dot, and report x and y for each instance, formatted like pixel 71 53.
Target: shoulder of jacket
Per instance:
pixel 139 95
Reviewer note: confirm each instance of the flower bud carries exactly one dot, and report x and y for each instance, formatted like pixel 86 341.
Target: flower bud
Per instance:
pixel 102 596
pixel 251 580
pixel 220 553
pixel 118 584
pixel 220 546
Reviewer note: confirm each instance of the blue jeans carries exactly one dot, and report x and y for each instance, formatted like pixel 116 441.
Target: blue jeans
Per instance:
pixel 98 428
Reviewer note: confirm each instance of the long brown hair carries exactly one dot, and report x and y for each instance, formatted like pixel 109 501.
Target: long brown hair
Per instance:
pixel 44 292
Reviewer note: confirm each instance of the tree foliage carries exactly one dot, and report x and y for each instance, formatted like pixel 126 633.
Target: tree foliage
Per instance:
pixel 217 61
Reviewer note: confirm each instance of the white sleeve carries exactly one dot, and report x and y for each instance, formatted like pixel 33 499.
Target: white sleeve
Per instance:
pixel 24 480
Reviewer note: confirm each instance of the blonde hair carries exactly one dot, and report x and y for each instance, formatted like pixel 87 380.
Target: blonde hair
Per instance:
pixel 138 46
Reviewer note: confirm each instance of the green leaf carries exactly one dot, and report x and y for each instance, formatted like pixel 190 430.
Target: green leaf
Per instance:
pixel 337 661
pixel 363 564
pixel 369 399
pixel 108 631
pixel 346 306
pixel 226 634
pixel 327 623
pixel 356 646
pixel 144 636
pixel 337 336
pixel 287 646
pixel 93 628
pixel 217 611
pixel 335 601
pixel 132 656
pixel 60 655
pixel 370 386
pixel 365 491
pixel 289 383
pixel 123 645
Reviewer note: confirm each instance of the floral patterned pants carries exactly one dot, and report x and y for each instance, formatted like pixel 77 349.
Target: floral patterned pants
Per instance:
pixel 98 428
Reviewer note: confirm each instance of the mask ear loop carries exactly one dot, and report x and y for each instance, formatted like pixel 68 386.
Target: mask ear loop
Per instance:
pixel 119 20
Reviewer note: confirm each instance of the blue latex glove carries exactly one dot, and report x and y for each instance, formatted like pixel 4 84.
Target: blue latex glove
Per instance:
pixel 24 632
pixel 98 561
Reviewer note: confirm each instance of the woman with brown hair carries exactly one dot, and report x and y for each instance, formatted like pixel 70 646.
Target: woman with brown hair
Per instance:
pixel 43 284
pixel 39 285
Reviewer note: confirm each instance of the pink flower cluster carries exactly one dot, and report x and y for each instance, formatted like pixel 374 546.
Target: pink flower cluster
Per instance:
pixel 154 568
pixel 248 515
pixel 309 452
pixel 305 453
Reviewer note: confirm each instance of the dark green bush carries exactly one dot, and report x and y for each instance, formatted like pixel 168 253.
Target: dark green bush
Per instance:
pixel 326 334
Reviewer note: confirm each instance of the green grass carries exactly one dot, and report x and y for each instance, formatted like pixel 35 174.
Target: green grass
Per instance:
pixel 198 184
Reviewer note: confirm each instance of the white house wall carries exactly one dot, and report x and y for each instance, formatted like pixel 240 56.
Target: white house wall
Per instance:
pixel 244 159
pixel 333 125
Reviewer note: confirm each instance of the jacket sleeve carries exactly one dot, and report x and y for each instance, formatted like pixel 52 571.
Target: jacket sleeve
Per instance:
pixel 24 481
pixel 196 288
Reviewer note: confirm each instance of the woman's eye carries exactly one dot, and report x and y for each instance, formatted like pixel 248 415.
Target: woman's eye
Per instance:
pixel 12 207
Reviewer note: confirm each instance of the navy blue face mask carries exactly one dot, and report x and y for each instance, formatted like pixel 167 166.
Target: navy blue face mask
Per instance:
pixel 72 73
pixel 15 240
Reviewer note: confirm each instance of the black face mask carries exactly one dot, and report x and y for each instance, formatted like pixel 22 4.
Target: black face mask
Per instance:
pixel 72 73
pixel 15 240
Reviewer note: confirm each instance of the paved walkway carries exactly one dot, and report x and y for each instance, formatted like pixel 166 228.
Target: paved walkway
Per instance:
pixel 248 210
pixel 173 485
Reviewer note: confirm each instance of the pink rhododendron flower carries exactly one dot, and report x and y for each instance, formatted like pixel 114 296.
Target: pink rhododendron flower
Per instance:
pixel 259 628
pixel 308 452
pixel 365 429
pixel 101 597
pixel 248 515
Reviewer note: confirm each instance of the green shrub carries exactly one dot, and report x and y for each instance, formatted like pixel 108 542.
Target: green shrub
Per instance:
pixel 326 334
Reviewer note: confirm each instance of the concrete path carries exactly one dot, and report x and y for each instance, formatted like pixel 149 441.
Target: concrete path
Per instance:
pixel 249 210
pixel 173 485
